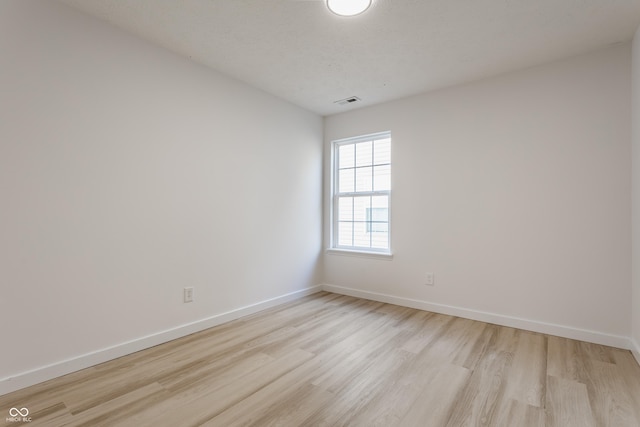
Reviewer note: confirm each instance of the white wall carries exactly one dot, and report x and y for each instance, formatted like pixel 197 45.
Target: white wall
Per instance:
pixel 515 192
pixel 128 173
pixel 636 195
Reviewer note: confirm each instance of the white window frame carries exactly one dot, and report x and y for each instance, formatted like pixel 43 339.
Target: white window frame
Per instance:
pixel 355 250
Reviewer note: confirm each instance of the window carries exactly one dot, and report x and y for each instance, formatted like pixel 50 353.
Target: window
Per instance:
pixel 361 193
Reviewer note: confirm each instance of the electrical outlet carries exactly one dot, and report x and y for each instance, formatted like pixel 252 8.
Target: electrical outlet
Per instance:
pixel 430 279
pixel 188 294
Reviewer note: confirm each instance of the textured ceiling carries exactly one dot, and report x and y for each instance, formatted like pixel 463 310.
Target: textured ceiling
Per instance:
pixel 299 51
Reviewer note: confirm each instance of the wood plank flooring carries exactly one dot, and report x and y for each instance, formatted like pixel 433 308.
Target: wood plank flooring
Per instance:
pixel 333 360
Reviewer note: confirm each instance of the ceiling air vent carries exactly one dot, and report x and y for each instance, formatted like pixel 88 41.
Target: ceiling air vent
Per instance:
pixel 347 101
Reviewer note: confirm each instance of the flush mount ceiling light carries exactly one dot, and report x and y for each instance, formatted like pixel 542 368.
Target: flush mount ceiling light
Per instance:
pixel 348 7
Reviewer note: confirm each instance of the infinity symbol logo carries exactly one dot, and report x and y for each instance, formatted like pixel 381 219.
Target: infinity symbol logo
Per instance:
pixel 14 412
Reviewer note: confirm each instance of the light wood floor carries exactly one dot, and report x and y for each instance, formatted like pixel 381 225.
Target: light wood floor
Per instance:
pixel 330 360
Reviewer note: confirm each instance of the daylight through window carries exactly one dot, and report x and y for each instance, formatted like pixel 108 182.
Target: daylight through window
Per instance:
pixel 361 193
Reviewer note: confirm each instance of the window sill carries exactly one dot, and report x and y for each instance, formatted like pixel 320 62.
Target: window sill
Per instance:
pixel 361 254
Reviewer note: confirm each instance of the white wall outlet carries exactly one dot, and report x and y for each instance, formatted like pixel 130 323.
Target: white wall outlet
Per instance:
pixel 188 294
pixel 430 279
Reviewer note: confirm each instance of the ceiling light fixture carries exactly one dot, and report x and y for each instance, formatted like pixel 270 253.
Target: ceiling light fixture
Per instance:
pixel 348 7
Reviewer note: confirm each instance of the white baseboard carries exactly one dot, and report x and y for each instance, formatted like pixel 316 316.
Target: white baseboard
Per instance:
pixel 44 373
pixel 498 319
pixel 635 349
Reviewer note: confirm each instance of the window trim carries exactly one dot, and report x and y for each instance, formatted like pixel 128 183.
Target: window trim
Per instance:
pixel 334 248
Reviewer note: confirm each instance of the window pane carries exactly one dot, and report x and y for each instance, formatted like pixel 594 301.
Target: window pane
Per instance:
pixel 382 151
pixel 380 238
pixel 364 153
pixel 360 235
pixel 345 236
pixel 346 182
pixel 364 179
pixel 346 156
pixel 360 207
pixel 345 209
pixel 382 178
pixel 378 215
pixel 380 202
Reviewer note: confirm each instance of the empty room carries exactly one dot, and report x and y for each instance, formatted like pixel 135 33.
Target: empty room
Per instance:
pixel 320 213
